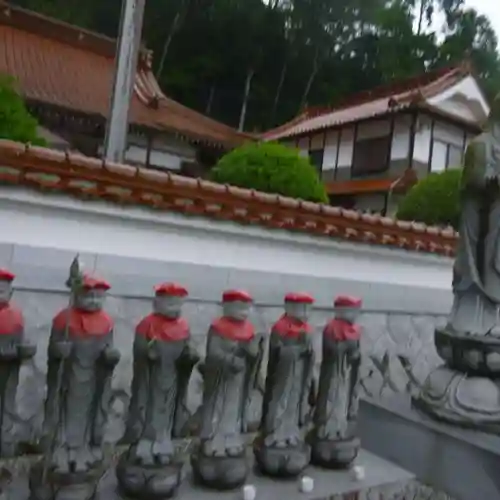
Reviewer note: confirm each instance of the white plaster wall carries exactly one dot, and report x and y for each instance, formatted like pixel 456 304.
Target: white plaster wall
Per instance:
pixel 464 99
pixel 29 218
pixel 400 142
pixel 443 134
pixel 166 152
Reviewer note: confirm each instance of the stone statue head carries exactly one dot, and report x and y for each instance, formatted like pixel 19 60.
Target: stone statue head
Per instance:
pixel 92 294
pixel 347 308
pixel 299 306
pixel 236 304
pixel 6 279
pixel 169 299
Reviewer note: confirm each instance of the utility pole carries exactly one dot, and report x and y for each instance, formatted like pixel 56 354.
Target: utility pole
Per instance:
pixel 127 53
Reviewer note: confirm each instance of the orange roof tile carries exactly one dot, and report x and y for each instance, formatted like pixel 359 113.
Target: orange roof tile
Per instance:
pixel 63 65
pixel 360 186
pixel 373 103
pixel 90 178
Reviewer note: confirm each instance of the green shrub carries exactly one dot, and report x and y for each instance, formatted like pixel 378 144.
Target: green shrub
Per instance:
pixel 434 200
pixel 16 123
pixel 271 168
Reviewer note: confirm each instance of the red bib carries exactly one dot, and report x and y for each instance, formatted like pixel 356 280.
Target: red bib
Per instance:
pixel 340 330
pixel 83 323
pixel 232 329
pixel 158 327
pixel 291 328
pixel 11 320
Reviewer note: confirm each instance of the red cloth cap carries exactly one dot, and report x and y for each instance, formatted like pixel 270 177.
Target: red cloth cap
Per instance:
pixel 6 275
pixel 236 296
pixel 299 298
pixel 94 283
pixel 347 301
pixel 172 289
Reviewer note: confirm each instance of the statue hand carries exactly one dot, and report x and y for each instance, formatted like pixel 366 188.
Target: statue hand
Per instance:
pixel 26 350
pixel 191 355
pixel 238 364
pixel 152 352
pixel 61 349
pixel 111 356
pixel 253 349
pixel 9 352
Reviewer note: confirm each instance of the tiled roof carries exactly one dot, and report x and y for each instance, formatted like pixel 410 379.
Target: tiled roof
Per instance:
pixel 371 104
pixel 62 65
pixel 358 186
pixel 58 172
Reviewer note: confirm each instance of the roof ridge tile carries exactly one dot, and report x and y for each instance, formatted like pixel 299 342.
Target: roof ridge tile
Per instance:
pixel 140 186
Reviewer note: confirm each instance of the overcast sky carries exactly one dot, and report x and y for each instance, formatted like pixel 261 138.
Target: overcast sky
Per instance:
pixel 491 8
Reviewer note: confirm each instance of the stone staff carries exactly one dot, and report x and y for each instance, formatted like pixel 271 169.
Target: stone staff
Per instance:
pixel 77 402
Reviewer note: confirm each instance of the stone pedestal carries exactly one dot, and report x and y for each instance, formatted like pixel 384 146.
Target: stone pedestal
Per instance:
pixel 338 454
pixel 154 482
pixel 219 473
pixel 70 486
pixel 286 462
pixel 465 390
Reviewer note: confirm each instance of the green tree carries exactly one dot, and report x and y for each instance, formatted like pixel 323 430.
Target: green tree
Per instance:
pixel 16 123
pixel 270 168
pixel 258 62
pixel 434 200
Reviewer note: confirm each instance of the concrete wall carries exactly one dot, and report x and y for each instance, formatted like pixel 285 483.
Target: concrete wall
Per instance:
pixel 405 293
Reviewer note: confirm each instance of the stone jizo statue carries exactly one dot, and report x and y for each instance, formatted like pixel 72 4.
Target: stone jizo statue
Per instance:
pixel 232 356
pixel 334 438
pixel 476 273
pixel 163 362
pixel 280 448
pixel 81 360
pixel 464 390
pixel 14 349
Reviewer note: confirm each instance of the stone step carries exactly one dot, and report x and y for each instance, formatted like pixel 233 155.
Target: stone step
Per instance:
pixel 382 480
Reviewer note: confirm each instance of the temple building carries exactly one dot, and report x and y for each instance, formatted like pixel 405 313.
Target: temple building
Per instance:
pixel 65 75
pixel 371 148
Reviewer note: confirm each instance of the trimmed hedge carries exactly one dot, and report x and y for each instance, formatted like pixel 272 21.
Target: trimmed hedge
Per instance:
pixel 16 123
pixel 271 168
pixel 434 200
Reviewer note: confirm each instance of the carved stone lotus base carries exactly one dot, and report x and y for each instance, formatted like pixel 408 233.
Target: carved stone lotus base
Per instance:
pixel 461 399
pixel 282 462
pixel 54 486
pixel 334 454
pixel 220 473
pixel 153 483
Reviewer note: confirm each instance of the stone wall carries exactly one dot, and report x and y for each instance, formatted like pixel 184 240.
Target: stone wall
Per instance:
pixel 386 334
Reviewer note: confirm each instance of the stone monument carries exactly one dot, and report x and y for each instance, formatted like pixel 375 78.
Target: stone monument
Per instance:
pixel 334 439
pixel 13 351
pixel 233 356
pixel 163 362
pixel 280 448
pixel 81 361
pixel 465 389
